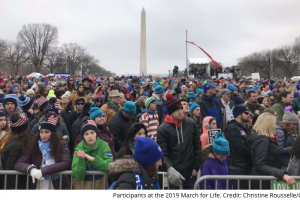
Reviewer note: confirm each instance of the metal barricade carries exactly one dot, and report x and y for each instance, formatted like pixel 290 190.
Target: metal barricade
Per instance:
pixel 237 178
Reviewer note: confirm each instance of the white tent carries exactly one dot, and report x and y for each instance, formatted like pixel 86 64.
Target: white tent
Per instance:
pixel 35 75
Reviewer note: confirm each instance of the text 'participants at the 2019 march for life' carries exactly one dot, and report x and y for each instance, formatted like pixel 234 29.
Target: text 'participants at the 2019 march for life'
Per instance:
pixel 208 195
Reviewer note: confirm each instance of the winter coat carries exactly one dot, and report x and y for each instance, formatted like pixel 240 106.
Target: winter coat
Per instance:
pixel 9 156
pixel 181 149
pixel 209 107
pixel 213 166
pixel 204 135
pixel 71 119
pixel 109 112
pixel 266 158
pixel 253 107
pixel 61 128
pixel 223 110
pixel 17 110
pixel 237 135
pixel 296 105
pixel 129 174
pixel 279 108
pixel 102 154
pixel 119 128
pixel 285 142
pixel 125 151
pixel 159 107
pixel 25 165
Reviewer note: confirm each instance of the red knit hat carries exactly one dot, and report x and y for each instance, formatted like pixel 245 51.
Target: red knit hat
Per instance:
pixel 172 104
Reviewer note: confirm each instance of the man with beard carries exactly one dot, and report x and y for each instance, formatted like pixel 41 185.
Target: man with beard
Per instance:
pixel 252 104
pixel 237 134
pixel 285 98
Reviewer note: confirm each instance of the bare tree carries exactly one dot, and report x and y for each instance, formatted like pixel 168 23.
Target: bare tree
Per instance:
pixel 74 56
pixel 3 47
pixel 54 59
pixel 37 38
pixel 16 56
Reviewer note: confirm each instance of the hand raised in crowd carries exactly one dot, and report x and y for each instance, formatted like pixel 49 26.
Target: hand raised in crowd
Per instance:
pixel 257 112
pixel 289 180
pixel 30 111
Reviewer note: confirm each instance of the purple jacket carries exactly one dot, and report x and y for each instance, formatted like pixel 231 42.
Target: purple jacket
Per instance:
pixel 213 166
pixel 25 165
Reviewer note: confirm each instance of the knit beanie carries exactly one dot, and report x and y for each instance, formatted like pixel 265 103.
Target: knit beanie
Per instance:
pixel 15 86
pixel 220 145
pixel 238 100
pixel 19 123
pixel 41 102
pixel 66 94
pixel 99 95
pixel 11 98
pixel 231 87
pixel 172 104
pixel 95 112
pixel 50 107
pixel 51 94
pixel 49 122
pixel 158 89
pixel 199 91
pixel 193 106
pixel 191 95
pixel 290 118
pixel 129 107
pixel 25 102
pixel 147 152
pixel 148 101
pixel 237 110
pixel 78 100
pixel 88 124
pixel 207 86
pixel 29 91
pixel 272 86
pixel 296 94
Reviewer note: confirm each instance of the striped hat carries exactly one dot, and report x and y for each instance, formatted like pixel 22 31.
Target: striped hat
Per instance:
pixel 11 98
pixel 41 102
pixel 49 122
pixel 88 124
pixel 25 102
pixel 19 123
pixel 172 104
pixel 148 101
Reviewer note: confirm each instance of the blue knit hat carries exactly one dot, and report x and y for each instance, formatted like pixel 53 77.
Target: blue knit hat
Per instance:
pixel 251 90
pixel 159 89
pixel 231 87
pixel 129 107
pixel 95 112
pixel 193 106
pixel 147 152
pixel 272 87
pixel 220 145
pixel 11 98
pixel 296 94
pixel 173 82
pixel 191 95
pixel 199 91
pixel 14 86
pixel 238 100
pixel 207 86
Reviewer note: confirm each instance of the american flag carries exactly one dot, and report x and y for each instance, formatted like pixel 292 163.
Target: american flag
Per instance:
pixel 22 120
pixel 41 100
pixel 52 120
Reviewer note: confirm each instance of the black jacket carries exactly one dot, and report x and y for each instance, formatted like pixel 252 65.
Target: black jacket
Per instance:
pixel 71 119
pixel 182 154
pixel 266 156
pixel 252 108
pixel 209 107
pixel 119 126
pixel 237 135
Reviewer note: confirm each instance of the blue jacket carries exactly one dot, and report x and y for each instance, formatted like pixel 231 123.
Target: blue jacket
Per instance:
pixel 213 166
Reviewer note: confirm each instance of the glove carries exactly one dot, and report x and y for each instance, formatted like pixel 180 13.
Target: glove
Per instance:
pixel 36 174
pixel 174 177
pixel 66 138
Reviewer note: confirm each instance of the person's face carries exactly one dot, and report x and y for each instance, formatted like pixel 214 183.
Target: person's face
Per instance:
pixel 25 85
pixel 272 98
pixel 265 102
pixel 191 88
pixel 152 106
pixel 253 97
pixel 213 125
pixel 71 81
pixel 90 137
pixel 8 84
pixel 245 117
pixel 288 99
pixel 10 107
pixel 250 121
pixel 45 135
pixel 177 115
pixel 197 112
pixel 89 96
pixel 185 105
pixel 3 122
pixel 175 85
pixel 158 163
pixel 86 84
pixel 100 121
pixel 62 88
pixel 226 97
pixel 31 96
pixel 65 100
pixel 126 115
pixel 16 90
pixel 281 89
pixel 140 133
pixel 80 89
pixel 116 100
pixel 221 157
pixel 122 98
pixel 209 92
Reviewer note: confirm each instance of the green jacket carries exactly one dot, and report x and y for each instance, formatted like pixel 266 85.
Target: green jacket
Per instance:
pixel 102 154
pixel 279 108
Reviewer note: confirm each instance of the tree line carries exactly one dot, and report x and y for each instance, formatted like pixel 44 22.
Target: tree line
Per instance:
pixel 36 50
pixel 285 59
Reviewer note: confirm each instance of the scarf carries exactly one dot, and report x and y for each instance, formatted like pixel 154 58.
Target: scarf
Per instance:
pixel 6 140
pixel 113 106
pixel 47 159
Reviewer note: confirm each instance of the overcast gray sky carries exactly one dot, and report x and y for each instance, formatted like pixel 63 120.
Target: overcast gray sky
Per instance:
pixel 110 29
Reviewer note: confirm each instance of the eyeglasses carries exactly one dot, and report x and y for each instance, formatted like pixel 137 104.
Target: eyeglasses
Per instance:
pixel 79 103
pixel 71 80
pixel 246 113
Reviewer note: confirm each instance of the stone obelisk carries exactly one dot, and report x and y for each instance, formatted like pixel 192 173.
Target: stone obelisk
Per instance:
pixel 143 55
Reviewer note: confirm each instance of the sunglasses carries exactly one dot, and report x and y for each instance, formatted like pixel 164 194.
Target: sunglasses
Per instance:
pixel 246 113
pixel 79 103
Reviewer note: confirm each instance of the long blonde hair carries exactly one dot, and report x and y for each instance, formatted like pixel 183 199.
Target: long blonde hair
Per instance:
pixel 265 125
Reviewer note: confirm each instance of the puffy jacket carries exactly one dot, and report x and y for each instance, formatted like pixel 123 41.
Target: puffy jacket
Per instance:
pixel 209 107
pixel 25 164
pixel 181 149
pixel 237 135
pixel 102 154
pixel 119 126
pixel 109 112
pixel 204 135
pixel 266 156
pixel 285 142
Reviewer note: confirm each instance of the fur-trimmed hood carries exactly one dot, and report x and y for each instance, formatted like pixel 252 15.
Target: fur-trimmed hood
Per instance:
pixel 118 167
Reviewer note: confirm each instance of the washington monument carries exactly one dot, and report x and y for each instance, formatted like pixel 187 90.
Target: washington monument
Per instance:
pixel 143 54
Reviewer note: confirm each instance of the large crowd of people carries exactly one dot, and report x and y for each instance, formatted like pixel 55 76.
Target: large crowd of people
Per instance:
pixel 131 127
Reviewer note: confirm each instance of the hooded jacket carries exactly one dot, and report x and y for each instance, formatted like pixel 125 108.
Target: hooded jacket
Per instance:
pixel 204 135
pixel 279 108
pixel 124 174
pixel 181 145
pixel 237 135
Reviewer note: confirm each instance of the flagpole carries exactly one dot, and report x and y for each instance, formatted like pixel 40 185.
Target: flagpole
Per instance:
pixel 187 62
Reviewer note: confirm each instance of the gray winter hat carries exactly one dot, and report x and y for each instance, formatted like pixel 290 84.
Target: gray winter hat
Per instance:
pixel 290 118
